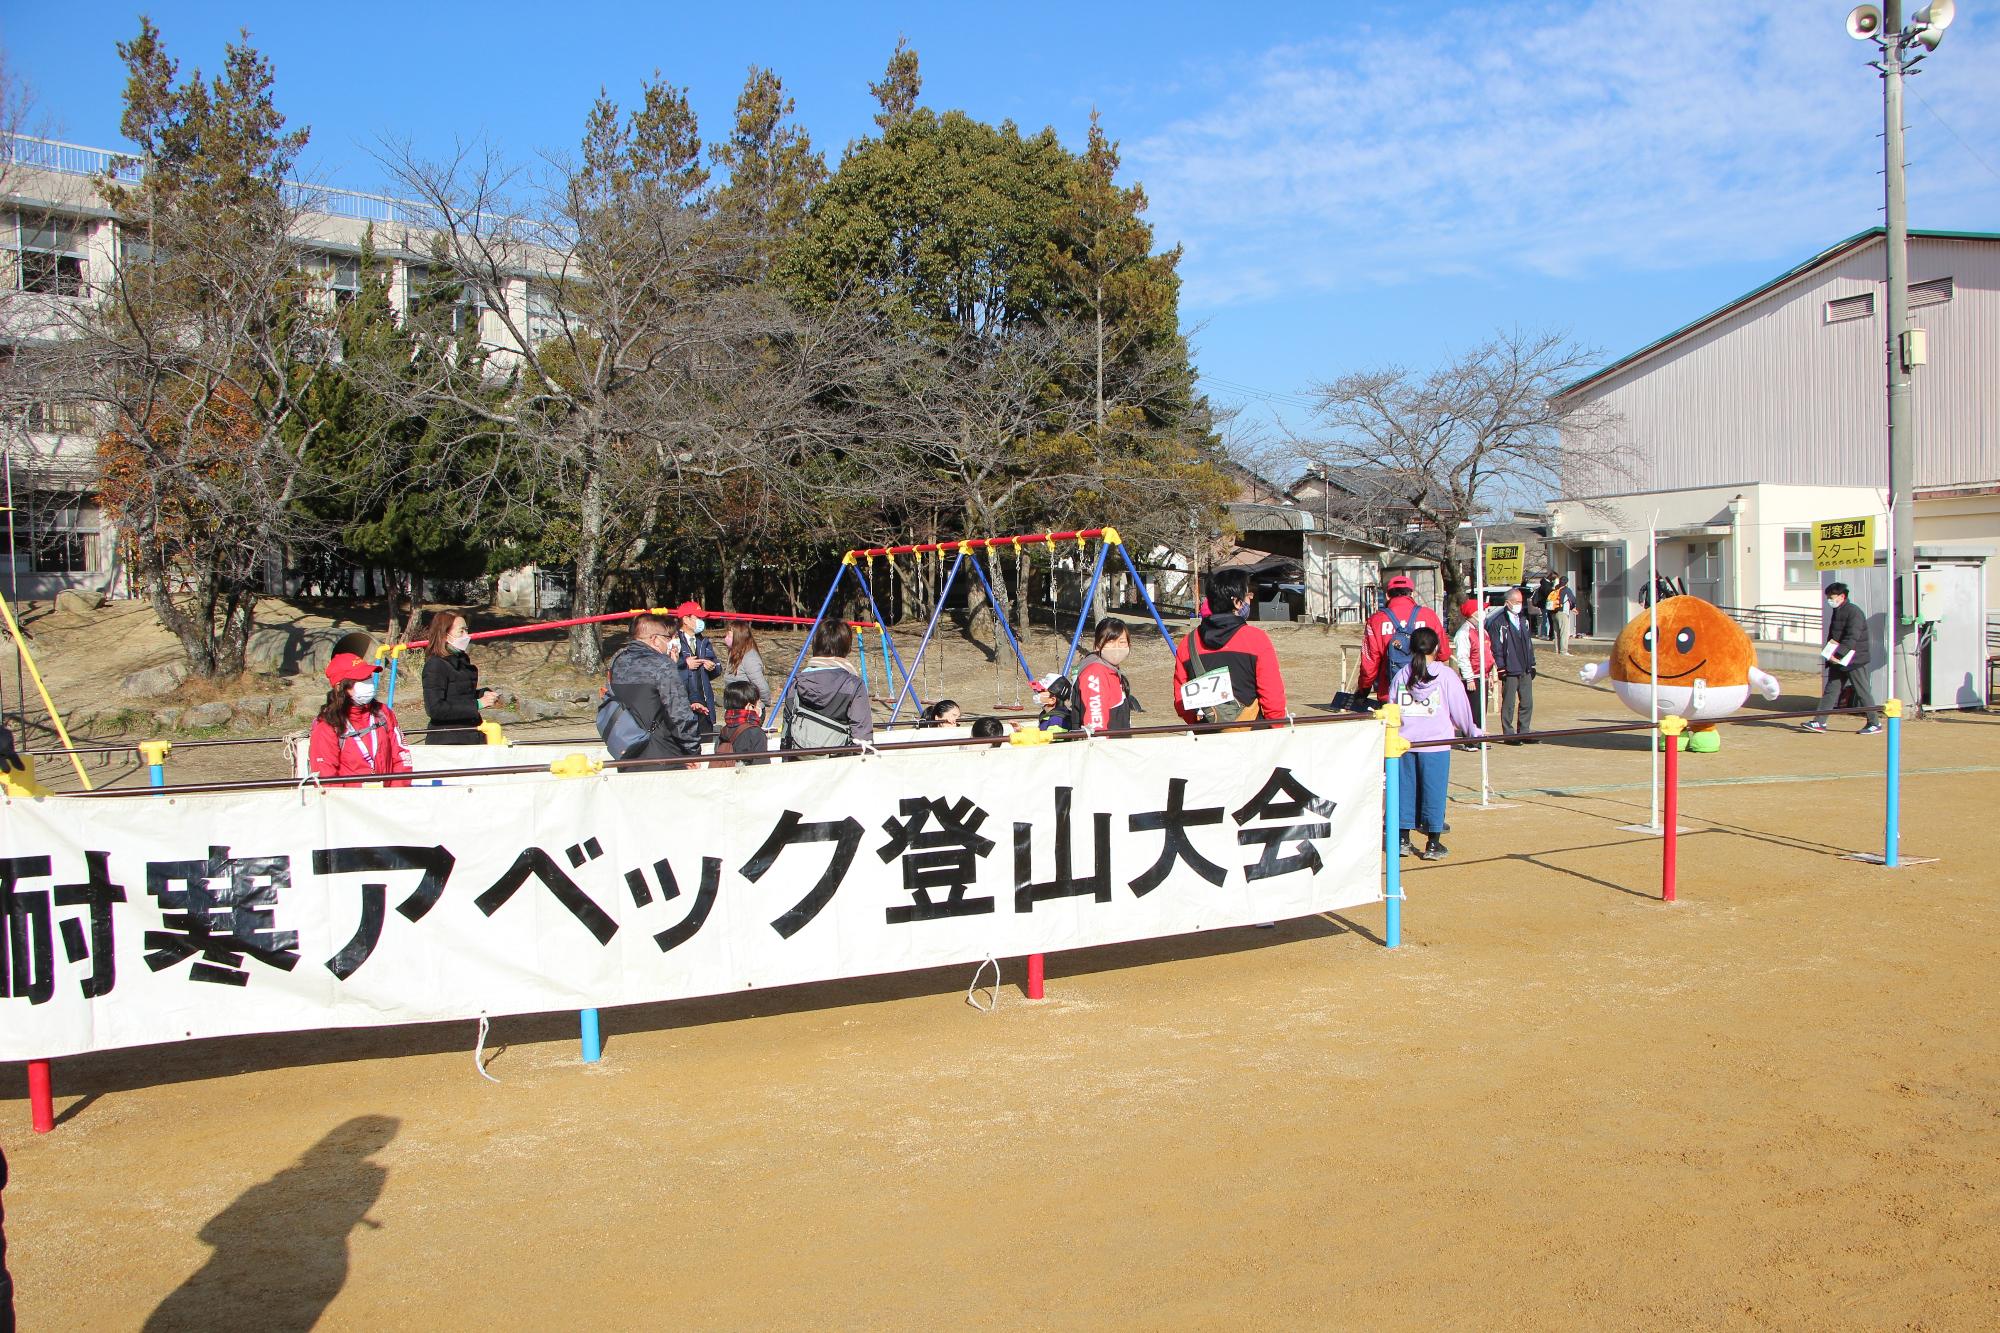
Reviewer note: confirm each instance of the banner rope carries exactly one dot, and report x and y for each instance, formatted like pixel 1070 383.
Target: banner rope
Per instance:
pixel 479 1051
pixel 972 991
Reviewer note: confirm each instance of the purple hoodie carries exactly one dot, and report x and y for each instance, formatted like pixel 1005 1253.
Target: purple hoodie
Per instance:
pixel 1444 692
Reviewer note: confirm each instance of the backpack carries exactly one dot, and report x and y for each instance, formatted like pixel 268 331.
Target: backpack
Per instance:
pixel 619 729
pixel 1210 695
pixel 1398 649
pixel 809 728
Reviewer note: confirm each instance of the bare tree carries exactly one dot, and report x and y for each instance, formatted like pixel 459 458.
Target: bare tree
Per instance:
pixel 1443 447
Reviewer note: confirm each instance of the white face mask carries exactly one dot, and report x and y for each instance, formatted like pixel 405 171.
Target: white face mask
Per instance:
pixel 695 624
pixel 1116 651
pixel 362 692
pixel 459 642
pixel 1513 608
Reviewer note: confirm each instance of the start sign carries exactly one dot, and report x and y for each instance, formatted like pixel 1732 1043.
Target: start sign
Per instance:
pixel 1844 543
pixel 1506 566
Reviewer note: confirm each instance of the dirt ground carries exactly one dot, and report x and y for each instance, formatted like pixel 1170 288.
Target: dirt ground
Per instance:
pixel 1775 1103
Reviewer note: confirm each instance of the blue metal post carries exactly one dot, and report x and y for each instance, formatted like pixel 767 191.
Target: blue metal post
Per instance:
pixel 593 1049
pixel 155 755
pixel 1147 597
pixel 156 775
pixel 864 667
pixel 1392 894
pixel 395 661
pixel 1892 833
pixel 1005 628
pixel 909 680
pixel 1083 612
pixel 886 646
pixel 806 648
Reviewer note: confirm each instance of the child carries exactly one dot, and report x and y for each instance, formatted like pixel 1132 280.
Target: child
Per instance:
pixel 1434 707
pixel 989 729
pixel 742 726
pixel 943 713
pixel 1053 693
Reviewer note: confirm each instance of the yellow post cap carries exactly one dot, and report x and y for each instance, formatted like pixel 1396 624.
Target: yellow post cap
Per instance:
pixel 575 766
pixel 1111 537
pixel 491 731
pixel 155 752
pixel 1671 725
pixel 1892 708
pixel 1391 715
pixel 1394 746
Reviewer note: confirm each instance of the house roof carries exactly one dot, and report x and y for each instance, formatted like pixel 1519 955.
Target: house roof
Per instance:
pixel 1820 260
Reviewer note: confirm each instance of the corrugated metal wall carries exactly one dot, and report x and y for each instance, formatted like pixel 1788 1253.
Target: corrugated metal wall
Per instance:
pixel 1775 393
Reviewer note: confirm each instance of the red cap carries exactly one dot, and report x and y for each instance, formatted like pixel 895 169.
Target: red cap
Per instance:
pixel 1401 583
pixel 686 609
pixel 1469 608
pixel 346 666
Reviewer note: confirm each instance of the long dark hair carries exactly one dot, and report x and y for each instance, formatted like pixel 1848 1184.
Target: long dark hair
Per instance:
pixel 337 704
pixel 1423 647
pixel 742 642
pixel 1110 630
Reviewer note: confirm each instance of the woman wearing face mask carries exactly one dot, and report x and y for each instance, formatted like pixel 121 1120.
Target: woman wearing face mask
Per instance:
pixel 452 696
pixel 1104 699
pixel 354 734
pixel 746 662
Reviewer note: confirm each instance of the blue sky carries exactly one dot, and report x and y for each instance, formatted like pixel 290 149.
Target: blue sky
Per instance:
pixel 1356 185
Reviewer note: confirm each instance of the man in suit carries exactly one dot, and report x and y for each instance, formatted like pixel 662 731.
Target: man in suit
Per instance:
pixel 1513 638
pixel 1846 657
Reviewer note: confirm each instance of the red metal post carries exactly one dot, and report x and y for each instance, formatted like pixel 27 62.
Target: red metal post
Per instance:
pixel 1671 810
pixel 41 1097
pixel 1034 976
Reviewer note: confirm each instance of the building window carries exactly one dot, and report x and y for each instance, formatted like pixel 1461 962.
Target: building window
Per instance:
pixel 417 284
pixel 1850 307
pixel 58 418
pixel 48 256
pixel 1704 562
pixel 545 320
pixel 1799 571
pixel 57 534
pixel 1935 292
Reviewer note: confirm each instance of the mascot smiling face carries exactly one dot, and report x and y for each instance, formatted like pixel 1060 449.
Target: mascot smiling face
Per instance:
pixel 1707 664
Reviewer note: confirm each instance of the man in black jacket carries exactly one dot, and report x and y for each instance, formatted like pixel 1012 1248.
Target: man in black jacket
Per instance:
pixel 645 676
pixel 1846 656
pixel 1513 638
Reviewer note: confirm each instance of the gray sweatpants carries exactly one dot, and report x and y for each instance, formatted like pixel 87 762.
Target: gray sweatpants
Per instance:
pixel 1838 678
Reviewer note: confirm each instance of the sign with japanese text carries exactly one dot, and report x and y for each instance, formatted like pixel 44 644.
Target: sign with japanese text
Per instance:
pixel 151 919
pixel 1506 565
pixel 1844 543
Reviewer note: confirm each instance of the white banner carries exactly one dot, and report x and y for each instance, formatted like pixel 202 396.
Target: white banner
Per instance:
pixel 148 919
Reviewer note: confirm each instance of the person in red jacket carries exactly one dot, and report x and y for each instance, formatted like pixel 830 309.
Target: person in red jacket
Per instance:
pixel 1104 699
pixel 1226 639
pixel 355 734
pixel 1385 642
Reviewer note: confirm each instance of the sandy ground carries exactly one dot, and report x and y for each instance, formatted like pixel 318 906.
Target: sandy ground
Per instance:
pixel 1561 1103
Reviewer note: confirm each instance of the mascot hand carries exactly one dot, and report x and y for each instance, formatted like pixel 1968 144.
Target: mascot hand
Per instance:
pixel 1594 672
pixel 1767 684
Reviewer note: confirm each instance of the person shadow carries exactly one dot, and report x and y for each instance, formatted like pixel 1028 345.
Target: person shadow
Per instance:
pixel 281 1247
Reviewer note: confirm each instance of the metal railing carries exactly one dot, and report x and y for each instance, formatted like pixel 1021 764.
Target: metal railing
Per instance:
pixel 1778 624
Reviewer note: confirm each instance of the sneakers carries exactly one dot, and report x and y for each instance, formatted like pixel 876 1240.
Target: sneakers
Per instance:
pixel 1871 729
pixel 1813 726
pixel 1435 851
pixel 1404 846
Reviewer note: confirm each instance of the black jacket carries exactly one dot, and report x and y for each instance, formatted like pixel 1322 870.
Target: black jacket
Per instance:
pixel 451 693
pixel 1513 649
pixel 1848 628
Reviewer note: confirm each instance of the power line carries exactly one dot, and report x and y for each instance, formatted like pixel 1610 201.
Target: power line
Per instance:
pixel 1954 133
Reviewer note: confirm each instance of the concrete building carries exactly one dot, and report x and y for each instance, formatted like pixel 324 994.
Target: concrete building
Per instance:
pixel 1761 417
pixel 60 245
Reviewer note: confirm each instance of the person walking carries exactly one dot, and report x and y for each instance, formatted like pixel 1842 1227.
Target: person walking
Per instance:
pixel 1514 656
pixel 1434 708
pixel 646 679
pixel 1846 656
pixel 452 697
pixel 1472 654
pixel 1224 639
pixel 355 733
pixel 1385 640
pixel 745 662
pixel 1562 614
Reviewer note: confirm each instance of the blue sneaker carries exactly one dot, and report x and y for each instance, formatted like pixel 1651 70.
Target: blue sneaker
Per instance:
pixel 1871 729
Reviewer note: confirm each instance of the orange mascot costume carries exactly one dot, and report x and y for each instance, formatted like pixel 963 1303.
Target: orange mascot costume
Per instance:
pixel 1707 666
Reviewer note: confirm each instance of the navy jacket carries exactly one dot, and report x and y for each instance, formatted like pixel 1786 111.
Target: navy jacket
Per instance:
pixel 1513 648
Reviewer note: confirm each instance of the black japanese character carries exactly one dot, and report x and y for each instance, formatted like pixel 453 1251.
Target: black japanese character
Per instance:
pixel 946 857
pixel 222 910
pixel 704 898
pixel 1267 804
pixel 543 867
pixel 435 862
pixel 27 954
pixel 1066 884
pixel 846 837
pixel 1175 821
pixel 96 894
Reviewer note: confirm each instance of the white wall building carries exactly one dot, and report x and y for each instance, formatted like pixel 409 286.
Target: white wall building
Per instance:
pixel 1770 413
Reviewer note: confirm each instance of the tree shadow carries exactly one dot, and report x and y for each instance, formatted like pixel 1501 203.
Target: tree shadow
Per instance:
pixel 281 1248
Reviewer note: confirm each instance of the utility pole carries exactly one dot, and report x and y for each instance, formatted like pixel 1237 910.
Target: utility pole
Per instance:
pixel 1902 503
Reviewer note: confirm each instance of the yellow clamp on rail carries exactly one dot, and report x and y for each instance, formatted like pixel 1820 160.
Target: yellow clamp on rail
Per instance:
pixel 491 731
pixel 964 548
pixel 1111 537
pixel 1671 725
pixel 1031 736
pixel 847 559
pixel 576 766
pixel 392 649
pixel 21 781
pixel 1892 708
pixel 155 752
pixel 1394 746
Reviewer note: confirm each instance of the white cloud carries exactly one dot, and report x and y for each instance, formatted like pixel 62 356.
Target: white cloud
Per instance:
pixel 1564 140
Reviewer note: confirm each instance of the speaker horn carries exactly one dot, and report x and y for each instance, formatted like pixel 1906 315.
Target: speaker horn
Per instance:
pixel 1863 22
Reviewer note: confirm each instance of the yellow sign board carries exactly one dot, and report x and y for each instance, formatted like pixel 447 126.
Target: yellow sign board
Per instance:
pixel 1844 543
pixel 1506 565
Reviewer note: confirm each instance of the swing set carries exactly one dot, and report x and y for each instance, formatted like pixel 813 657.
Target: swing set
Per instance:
pixel 860 562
